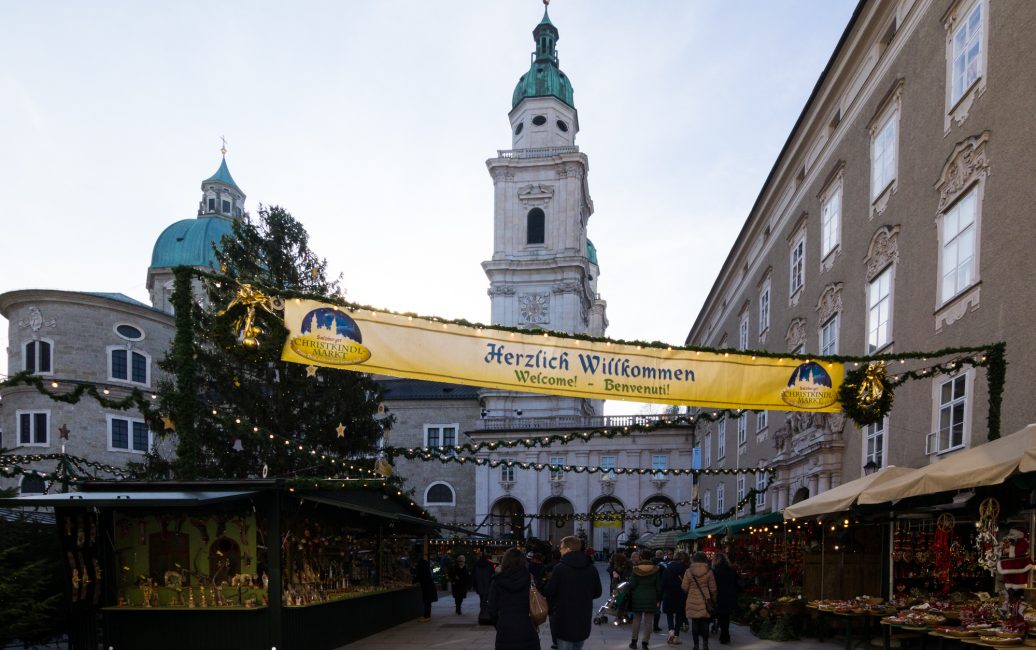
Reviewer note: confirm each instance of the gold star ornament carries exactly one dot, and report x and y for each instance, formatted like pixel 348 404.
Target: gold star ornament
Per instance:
pixel 311 371
pixel 341 430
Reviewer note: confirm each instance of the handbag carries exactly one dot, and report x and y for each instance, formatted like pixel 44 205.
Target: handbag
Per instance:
pixel 709 607
pixel 537 606
pixel 483 614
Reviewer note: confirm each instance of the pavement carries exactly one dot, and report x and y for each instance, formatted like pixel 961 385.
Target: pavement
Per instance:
pixel 451 631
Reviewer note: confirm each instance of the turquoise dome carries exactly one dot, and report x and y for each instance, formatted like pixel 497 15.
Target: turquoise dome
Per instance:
pixel 544 78
pixel 189 242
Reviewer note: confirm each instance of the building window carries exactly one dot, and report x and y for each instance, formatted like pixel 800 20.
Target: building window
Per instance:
pixel 440 494
pixel 129 365
pixel 721 494
pixel 874 443
pixel 212 204
pixel 32 484
pixel 535 226
pixel 721 439
pixel 829 336
pixel 608 464
pixel 742 332
pixel 959 237
pixel 798 263
pixel 952 396
pixel 38 357
pixel 883 155
pixel 764 308
pixel 761 420
pixel 507 471
pixel 129 332
pixel 742 430
pixel 226 206
pixel 33 428
pixel 879 311
pixel 441 435
pixel 831 220
pixel 557 474
pixel 706 502
pixel 760 488
pixel 707 451
pixel 125 434
pixel 967 54
pixel 740 488
pixel 659 462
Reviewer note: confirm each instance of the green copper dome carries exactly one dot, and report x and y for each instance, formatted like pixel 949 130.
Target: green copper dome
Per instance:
pixel 189 242
pixel 544 78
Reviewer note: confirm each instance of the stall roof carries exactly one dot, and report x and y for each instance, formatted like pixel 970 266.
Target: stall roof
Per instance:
pixel 126 498
pixel 844 496
pixel 987 464
pixel 728 527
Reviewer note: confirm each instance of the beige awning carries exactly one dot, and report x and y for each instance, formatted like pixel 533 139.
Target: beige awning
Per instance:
pixel 990 463
pixel 844 496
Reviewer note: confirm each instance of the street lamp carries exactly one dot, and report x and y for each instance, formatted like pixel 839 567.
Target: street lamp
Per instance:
pixel 870 467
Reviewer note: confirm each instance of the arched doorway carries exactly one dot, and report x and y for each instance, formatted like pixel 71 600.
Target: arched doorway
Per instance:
pixel 663 512
pixel 551 529
pixel 507 519
pixel 801 494
pixel 603 534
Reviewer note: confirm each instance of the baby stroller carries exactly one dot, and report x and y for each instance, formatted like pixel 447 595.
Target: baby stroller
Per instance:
pixel 615 607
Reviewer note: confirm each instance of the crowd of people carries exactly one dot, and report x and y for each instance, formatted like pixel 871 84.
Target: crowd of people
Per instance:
pixel 696 594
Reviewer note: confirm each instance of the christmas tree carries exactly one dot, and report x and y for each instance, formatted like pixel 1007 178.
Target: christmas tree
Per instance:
pixel 229 386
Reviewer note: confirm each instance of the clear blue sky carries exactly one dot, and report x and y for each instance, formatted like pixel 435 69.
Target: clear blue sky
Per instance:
pixel 371 122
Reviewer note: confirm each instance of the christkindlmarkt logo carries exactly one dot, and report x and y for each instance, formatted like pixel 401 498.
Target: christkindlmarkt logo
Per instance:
pixel 330 336
pixel 809 387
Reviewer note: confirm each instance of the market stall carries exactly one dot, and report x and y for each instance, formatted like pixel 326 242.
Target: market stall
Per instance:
pixel 244 564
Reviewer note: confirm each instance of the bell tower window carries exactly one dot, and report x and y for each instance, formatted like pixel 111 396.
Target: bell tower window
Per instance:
pixel 535 226
pixel 212 204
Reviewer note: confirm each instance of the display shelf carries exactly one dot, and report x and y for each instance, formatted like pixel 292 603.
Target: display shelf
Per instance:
pixel 182 609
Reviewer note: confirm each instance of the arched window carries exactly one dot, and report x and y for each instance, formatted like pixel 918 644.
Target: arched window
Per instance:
pixel 33 484
pixel 535 226
pixel 440 494
pixel 129 365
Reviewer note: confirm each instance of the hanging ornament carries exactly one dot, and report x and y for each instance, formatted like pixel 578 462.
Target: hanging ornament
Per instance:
pixel 266 470
pixel 311 371
pixel 237 445
pixel 383 467
pixel 866 395
pixel 340 429
pixel 986 539
pixel 250 298
pixel 63 431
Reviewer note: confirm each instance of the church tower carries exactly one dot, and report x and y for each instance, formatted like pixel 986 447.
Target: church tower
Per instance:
pixel 543 273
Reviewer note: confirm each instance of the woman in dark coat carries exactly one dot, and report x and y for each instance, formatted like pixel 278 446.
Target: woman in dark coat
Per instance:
pixel 509 604
pixel 674 598
pixel 645 594
pixel 726 594
pixel 460 578
pixel 423 573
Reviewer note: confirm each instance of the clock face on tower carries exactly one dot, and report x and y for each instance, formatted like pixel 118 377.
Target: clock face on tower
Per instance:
pixel 535 308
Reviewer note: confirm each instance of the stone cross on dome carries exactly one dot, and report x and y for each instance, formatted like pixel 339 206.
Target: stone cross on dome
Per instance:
pixel 223 149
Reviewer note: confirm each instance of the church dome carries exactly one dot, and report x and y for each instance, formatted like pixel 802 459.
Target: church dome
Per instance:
pixel 544 78
pixel 189 242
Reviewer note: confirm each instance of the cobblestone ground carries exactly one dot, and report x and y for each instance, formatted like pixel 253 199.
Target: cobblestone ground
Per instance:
pixel 462 632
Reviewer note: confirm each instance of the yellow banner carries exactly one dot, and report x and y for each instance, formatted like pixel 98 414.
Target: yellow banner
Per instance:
pixel 406 346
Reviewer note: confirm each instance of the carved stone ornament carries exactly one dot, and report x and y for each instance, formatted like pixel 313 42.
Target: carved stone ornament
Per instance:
pixel 535 195
pixel 507 486
pixel 504 290
pixel 796 336
pixel 534 307
pixel 966 165
pixel 607 486
pixel 501 174
pixel 884 250
pixel 557 488
pixel 830 303
pixel 36 321
pixel 568 286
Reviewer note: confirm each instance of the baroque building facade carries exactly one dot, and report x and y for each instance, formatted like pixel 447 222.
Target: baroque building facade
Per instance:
pixel 894 220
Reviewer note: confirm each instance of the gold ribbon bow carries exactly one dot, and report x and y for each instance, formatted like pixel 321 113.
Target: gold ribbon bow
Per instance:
pixel 872 386
pixel 249 297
